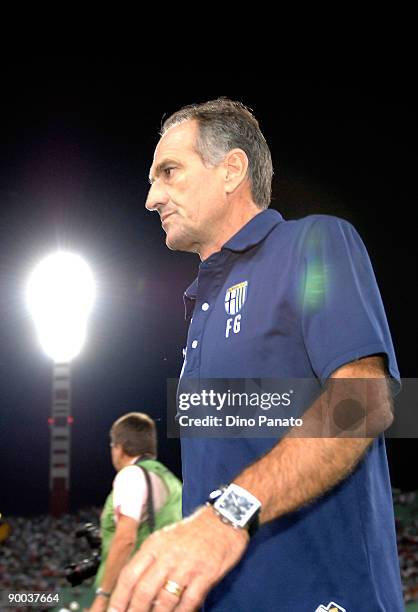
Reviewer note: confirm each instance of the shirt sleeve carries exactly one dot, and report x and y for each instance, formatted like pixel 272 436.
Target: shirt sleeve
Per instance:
pixel 129 492
pixel 343 317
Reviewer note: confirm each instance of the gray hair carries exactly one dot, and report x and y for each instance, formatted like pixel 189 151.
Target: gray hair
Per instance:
pixel 225 125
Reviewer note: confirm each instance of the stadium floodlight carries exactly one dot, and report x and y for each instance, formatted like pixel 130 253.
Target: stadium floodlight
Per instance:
pixel 60 296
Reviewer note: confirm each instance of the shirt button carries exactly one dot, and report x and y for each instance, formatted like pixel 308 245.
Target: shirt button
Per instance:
pixel 205 306
pixel 194 343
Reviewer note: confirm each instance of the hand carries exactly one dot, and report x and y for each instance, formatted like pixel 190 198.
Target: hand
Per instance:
pixel 195 553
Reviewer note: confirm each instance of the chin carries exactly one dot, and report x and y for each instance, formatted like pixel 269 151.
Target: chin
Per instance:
pixel 171 244
pixel 177 243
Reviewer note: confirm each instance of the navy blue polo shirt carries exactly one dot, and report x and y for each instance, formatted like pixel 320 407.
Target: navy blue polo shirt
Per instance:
pixel 294 299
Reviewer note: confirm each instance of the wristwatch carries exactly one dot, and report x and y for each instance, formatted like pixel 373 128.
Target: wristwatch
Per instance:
pixel 236 506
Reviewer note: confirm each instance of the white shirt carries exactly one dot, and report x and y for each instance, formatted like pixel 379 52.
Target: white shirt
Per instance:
pixel 130 493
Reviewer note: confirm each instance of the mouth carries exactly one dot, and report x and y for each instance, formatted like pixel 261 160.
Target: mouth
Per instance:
pixel 165 217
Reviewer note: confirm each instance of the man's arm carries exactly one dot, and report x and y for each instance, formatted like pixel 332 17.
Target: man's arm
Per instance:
pixel 197 552
pixel 120 550
pixel 301 468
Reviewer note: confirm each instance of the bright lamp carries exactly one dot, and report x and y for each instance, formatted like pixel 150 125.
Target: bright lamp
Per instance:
pixel 60 296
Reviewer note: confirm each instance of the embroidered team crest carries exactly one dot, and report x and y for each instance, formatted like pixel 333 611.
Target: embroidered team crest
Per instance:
pixel 235 298
pixel 331 607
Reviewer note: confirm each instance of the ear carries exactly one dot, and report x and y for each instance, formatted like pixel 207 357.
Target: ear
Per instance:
pixel 236 166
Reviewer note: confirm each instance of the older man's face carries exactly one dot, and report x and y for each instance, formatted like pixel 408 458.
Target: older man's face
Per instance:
pixel 189 196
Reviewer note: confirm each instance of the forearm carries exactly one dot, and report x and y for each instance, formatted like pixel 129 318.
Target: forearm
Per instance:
pixel 311 460
pixel 119 554
pixel 298 470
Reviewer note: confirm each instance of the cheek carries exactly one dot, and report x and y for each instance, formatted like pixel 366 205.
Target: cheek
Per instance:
pixel 206 202
pixel 197 196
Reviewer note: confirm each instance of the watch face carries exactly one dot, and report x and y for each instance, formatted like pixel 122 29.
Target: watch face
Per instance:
pixel 237 505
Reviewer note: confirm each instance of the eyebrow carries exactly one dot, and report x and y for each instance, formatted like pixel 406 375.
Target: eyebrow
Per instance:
pixel 159 168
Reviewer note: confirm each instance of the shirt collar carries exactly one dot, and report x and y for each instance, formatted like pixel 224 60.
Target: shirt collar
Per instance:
pixel 251 234
pixel 254 231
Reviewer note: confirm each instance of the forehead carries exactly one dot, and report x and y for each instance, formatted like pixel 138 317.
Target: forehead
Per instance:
pixel 177 143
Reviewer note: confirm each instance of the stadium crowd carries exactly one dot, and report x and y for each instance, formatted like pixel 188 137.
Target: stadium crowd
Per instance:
pixel 33 556
pixel 35 553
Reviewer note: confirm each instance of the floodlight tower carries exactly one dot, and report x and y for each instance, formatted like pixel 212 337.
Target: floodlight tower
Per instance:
pixel 60 297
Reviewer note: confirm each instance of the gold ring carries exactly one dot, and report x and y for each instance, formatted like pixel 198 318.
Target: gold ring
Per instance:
pixel 173 587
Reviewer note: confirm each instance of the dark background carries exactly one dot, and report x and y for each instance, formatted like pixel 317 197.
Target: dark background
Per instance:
pixel 77 139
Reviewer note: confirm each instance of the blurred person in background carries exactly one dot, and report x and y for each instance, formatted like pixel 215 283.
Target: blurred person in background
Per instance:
pixel 145 496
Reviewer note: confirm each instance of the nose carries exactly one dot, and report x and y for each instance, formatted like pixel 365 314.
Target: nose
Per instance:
pixel 157 197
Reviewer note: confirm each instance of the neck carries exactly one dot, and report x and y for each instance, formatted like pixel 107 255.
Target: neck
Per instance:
pixel 239 217
pixel 128 460
pixel 144 456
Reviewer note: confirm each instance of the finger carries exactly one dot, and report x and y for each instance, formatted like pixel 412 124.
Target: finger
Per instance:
pixel 147 591
pixel 194 595
pixel 167 600
pixel 128 579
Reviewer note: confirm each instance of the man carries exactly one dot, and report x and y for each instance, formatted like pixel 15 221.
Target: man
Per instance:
pixel 125 518
pixel 310 309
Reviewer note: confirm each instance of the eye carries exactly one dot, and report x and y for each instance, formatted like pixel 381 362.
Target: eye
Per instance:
pixel 168 171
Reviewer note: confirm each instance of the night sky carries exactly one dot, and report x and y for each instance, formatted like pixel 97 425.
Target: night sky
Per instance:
pixel 77 139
